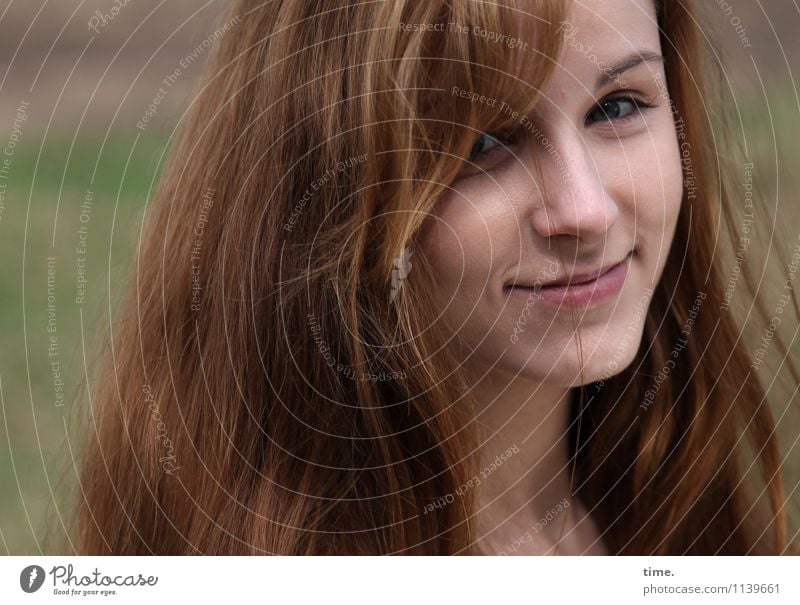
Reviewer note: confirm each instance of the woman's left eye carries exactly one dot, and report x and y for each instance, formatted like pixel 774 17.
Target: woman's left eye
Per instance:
pixel 619 108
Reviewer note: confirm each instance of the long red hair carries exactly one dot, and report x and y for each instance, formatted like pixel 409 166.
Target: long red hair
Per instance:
pixel 260 396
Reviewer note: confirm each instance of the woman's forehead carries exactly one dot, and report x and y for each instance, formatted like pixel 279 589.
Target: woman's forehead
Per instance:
pixel 592 32
pixel 597 47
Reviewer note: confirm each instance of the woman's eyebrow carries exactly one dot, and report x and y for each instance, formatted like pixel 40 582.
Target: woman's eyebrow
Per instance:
pixel 635 58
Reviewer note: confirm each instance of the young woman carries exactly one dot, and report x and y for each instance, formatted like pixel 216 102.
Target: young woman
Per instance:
pixel 438 278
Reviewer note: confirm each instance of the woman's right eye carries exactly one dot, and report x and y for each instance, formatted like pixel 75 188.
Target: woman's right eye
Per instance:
pixel 488 152
pixel 483 146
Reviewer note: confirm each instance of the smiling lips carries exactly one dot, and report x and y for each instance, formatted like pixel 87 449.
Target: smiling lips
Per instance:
pixel 580 290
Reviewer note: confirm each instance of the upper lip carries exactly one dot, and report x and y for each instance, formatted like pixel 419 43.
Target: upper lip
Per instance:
pixel 573 278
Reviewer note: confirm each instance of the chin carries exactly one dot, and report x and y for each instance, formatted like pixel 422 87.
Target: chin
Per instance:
pixel 601 354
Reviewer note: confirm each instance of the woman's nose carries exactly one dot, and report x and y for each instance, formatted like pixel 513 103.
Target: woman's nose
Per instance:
pixel 573 200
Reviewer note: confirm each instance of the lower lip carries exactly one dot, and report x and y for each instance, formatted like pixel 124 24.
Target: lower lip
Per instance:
pixel 584 295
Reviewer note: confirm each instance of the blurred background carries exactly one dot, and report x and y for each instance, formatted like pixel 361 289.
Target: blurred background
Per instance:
pixel 90 94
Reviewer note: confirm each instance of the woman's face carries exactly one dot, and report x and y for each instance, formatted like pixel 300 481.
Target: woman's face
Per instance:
pixel 533 270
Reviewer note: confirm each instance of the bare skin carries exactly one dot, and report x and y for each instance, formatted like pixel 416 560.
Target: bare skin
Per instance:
pixel 613 184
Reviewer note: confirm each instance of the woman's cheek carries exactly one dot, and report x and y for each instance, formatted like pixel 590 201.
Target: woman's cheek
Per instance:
pixel 469 233
pixel 656 175
pixel 450 241
pixel 650 168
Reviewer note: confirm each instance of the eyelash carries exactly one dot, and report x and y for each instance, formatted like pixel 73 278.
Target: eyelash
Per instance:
pixel 638 105
pixel 509 138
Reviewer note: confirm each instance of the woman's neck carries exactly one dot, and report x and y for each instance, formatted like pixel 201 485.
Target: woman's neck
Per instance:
pixel 524 494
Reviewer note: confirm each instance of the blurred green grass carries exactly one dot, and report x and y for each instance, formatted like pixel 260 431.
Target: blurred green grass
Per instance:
pixel 47 184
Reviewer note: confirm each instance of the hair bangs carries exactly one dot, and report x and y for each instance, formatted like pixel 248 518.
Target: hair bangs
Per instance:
pixel 491 66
